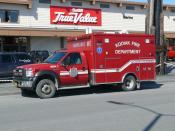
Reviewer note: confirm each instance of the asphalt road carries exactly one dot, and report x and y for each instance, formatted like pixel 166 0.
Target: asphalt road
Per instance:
pixel 101 109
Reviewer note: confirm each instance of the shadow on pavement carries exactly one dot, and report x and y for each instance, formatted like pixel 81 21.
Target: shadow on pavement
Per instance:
pixel 102 89
pixel 150 85
pixel 152 122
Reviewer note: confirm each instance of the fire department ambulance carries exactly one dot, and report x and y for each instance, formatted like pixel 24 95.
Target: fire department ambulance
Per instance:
pixel 93 59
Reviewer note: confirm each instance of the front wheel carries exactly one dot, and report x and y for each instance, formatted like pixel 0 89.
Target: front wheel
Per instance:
pixel 45 89
pixel 129 83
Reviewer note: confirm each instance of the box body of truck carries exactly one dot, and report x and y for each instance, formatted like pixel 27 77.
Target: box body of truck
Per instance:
pixel 111 57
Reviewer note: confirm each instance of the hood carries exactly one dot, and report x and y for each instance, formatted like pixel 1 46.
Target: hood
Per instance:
pixel 39 66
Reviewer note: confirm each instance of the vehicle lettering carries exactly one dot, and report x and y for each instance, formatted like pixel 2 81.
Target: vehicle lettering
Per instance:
pixel 25 61
pixel 127 51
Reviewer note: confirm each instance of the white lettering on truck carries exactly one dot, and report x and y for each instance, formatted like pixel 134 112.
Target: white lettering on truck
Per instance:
pixel 127 51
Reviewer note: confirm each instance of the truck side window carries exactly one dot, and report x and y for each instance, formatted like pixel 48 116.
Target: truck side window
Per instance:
pixel 73 59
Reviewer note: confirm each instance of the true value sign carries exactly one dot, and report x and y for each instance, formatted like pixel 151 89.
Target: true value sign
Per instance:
pixel 75 16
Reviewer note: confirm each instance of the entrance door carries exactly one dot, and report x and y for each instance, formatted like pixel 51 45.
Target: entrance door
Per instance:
pixel 73 70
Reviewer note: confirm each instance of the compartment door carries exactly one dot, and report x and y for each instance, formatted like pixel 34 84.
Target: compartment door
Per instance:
pixel 100 55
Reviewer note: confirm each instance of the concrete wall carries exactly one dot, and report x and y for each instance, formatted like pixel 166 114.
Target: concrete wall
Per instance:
pixel 169 21
pixel 112 18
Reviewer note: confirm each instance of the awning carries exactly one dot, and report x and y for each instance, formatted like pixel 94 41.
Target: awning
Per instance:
pixel 22 2
pixel 170 35
pixel 39 32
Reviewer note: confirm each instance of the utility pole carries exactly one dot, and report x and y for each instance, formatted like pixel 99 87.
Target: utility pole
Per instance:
pixel 150 17
pixel 159 34
pixel 155 25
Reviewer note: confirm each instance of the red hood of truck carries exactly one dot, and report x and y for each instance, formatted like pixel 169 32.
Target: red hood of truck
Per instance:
pixel 40 66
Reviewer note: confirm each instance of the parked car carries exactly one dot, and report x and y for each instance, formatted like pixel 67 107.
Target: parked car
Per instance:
pixel 38 56
pixel 9 61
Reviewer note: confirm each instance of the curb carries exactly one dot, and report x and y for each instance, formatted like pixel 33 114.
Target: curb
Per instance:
pixel 8 89
pixel 9 93
pixel 166 78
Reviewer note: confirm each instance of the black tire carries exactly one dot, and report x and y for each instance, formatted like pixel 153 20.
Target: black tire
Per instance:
pixel 129 83
pixel 45 89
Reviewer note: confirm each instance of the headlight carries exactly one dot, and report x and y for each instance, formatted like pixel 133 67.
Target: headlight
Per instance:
pixel 29 72
pixel 17 72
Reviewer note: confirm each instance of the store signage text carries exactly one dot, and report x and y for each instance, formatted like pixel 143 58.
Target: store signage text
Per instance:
pixel 75 16
pixel 127 17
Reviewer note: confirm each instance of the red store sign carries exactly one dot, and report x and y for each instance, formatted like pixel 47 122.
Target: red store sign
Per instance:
pixel 75 16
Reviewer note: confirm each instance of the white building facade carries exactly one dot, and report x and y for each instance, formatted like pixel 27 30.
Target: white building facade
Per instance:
pixel 45 24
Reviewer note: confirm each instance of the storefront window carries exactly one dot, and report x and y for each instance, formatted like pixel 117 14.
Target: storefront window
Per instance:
pixel 76 3
pixel 173 10
pixel 9 16
pixel 171 42
pixel 104 5
pixel 13 16
pixel 130 7
pixel 14 44
pixel 2 16
pixel 45 1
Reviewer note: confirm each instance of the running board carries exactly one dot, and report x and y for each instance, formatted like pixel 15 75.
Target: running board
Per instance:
pixel 73 87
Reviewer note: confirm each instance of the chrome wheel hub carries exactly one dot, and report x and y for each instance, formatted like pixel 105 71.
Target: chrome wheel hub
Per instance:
pixel 46 89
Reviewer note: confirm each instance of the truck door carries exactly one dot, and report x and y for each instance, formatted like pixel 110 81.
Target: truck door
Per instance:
pixel 73 70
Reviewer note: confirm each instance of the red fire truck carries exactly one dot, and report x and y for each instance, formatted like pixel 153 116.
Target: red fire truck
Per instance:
pixel 93 59
pixel 171 52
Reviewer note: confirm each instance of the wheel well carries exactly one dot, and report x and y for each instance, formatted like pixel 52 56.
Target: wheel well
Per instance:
pixel 129 74
pixel 46 76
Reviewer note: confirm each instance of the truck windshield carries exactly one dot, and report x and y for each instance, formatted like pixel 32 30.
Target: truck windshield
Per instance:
pixel 55 57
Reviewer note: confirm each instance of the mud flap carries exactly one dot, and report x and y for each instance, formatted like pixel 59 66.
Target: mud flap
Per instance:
pixel 138 85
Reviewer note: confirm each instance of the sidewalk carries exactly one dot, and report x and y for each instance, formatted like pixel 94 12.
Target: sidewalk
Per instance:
pixel 8 89
pixel 165 78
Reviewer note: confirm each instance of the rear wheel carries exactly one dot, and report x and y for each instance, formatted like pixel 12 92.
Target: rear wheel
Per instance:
pixel 129 83
pixel 45 89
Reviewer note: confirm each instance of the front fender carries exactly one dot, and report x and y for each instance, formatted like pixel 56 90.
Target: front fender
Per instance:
pixel 54 75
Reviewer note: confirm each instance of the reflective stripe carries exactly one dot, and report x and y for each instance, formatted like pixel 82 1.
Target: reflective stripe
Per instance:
pixel 112 70
pixel 80 72
pixel 62 73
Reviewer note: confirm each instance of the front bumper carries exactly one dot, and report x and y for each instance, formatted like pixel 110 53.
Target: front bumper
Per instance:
pixel 27 83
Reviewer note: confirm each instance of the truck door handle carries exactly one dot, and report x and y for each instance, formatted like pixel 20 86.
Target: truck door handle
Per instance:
pixel 84 68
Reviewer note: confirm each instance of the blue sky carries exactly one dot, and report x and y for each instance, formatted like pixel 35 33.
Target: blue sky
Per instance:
pixel 165 1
